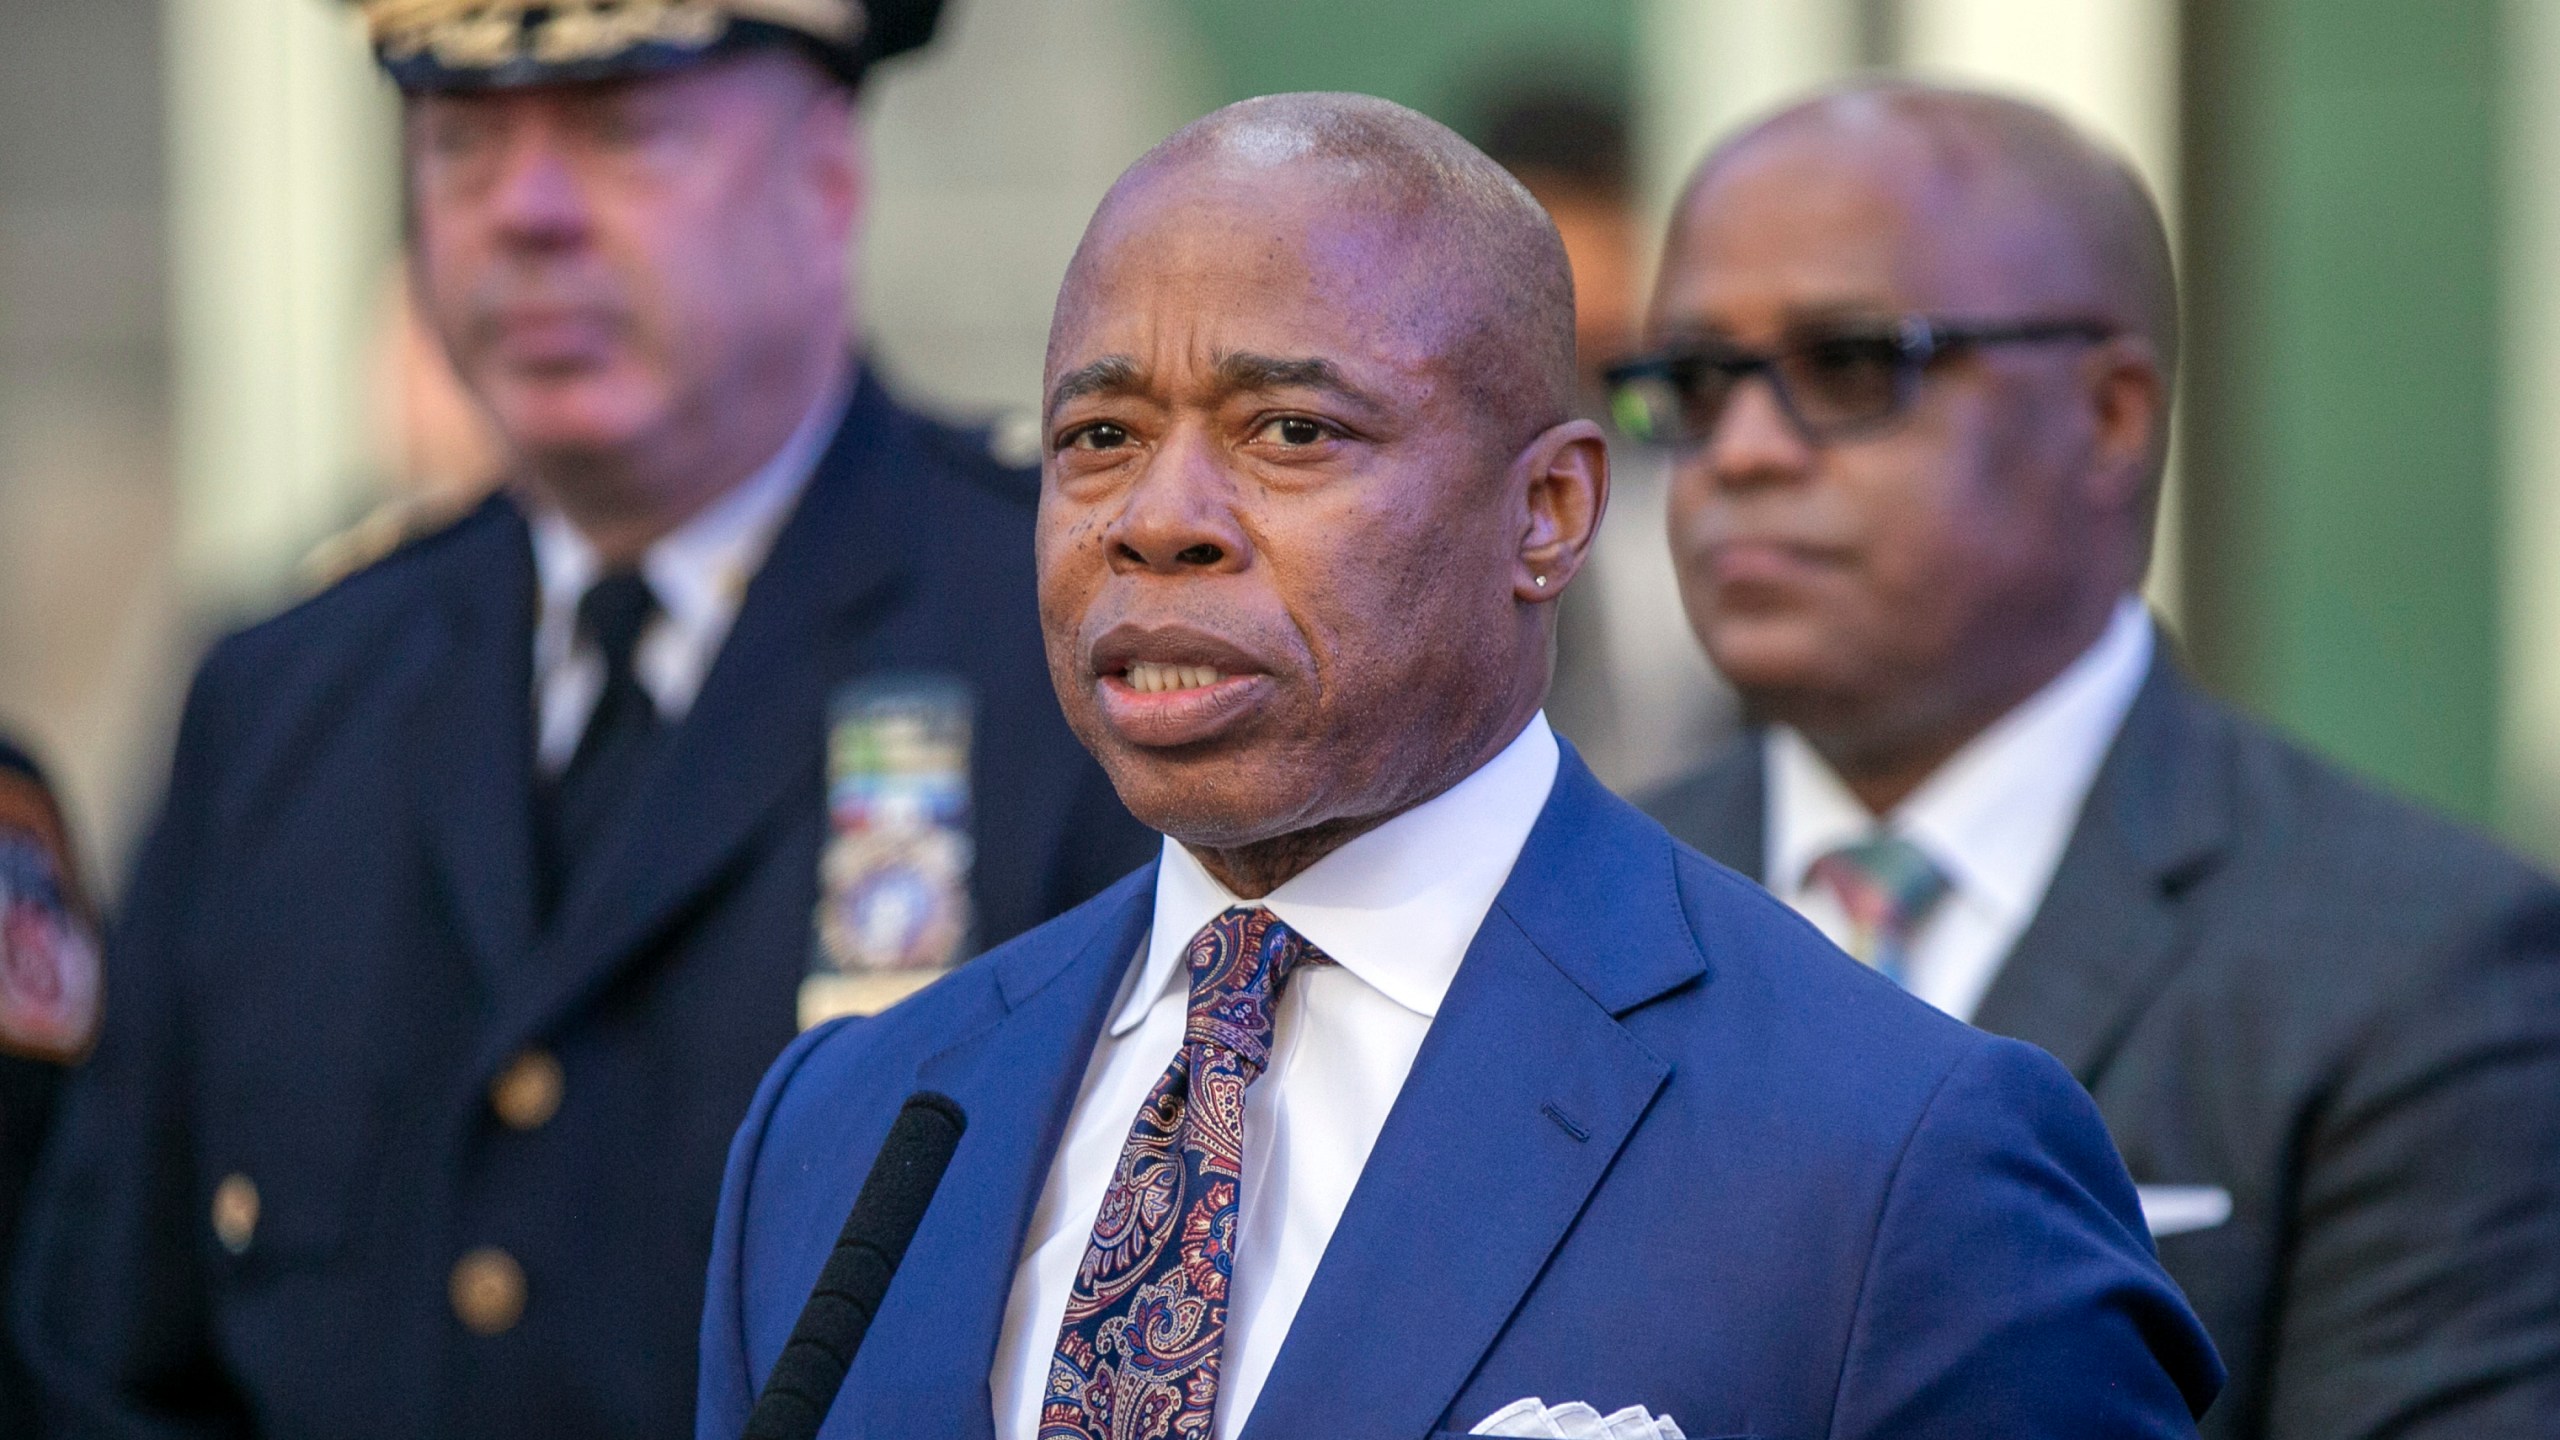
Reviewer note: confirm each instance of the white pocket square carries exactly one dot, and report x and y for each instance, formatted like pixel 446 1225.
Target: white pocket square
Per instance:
pixel 1536 1418
pixel 2181 1209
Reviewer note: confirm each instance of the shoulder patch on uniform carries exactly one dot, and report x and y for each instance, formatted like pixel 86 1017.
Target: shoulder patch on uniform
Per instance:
pixel 387 529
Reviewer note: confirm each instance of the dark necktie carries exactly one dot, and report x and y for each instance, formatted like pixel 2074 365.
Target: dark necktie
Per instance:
pixel 1146 1322
pixel 621 732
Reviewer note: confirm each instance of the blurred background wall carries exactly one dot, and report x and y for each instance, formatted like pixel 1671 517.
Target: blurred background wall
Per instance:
pixel 204 371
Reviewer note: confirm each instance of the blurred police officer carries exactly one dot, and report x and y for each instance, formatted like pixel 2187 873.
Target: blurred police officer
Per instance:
pixel 491 879
pixel 1917 346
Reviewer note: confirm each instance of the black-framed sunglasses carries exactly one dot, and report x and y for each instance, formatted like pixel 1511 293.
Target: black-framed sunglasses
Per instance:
pixel 1833 384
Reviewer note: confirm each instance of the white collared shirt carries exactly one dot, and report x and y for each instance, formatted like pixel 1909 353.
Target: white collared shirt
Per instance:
pixel 699 573
pixel 1396 909
pixel 1995 818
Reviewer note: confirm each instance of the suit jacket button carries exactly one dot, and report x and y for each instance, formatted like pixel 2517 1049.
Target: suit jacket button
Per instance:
pixel 527 1093
pixel 235 1212
pixel 487 1291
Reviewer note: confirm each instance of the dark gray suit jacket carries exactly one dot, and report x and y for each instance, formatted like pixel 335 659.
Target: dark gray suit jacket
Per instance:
pixel 2340 1009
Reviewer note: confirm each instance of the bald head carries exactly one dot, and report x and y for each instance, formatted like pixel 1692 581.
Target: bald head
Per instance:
pixel 1312 483
pixel 2066 217
pixel 1475 268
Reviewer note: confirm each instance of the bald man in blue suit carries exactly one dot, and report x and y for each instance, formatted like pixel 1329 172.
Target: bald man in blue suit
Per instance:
pixel 1421 1087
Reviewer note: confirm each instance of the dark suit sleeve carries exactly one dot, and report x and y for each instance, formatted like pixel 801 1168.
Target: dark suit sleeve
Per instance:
pixel 2424 1278
pixel 110 1302
pixel 2012 1290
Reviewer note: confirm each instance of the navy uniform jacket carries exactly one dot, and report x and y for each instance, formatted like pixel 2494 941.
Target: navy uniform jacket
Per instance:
pixel 1663 1146
pixel 2337 1010
pixel 259 1208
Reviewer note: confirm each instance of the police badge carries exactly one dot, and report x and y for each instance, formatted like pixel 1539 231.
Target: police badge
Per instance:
pixel 48 944
pixel 893 908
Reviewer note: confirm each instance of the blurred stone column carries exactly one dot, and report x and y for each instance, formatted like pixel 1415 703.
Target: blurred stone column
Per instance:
pixel 1704 66
pixel 284 184
pixel 2529 729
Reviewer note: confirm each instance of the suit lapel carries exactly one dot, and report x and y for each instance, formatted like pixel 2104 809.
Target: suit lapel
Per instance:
pixel 1521 1096
pixel 2110 930
pixel 1017 1080
pixel 473 751
pixel 755 735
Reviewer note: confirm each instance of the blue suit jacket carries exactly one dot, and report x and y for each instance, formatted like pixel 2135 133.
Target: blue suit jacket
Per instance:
pixel 1663 1146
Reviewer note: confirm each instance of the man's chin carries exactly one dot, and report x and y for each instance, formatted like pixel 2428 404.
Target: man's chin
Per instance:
pixel 572 423
pixel 1791 678
pixel 1211 802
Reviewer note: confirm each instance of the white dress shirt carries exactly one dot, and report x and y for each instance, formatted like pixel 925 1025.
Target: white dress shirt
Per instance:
pixel 1396 909
pixel 699 572
pixel 1994 818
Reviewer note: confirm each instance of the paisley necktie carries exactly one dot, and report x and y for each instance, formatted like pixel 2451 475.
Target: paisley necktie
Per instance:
pixel 1146 1319
pixel 1888 886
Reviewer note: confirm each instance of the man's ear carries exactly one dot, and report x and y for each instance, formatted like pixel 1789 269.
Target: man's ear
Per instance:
pixel 2129 405
pixel 1563 478
pixel 836 145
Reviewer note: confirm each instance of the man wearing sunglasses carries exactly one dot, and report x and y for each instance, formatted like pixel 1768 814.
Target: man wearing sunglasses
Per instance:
pixel 1914 357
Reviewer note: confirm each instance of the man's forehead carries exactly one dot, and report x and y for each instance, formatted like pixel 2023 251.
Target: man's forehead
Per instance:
pixel 1167 347
pixel 1215 274
pixel 1311 212
pixel 1822 224
pixel 1220 373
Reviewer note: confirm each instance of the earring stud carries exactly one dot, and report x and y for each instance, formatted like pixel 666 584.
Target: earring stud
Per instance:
pixel 1540 580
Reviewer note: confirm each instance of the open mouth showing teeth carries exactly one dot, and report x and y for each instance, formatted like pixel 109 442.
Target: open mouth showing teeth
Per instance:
pixel 1148 678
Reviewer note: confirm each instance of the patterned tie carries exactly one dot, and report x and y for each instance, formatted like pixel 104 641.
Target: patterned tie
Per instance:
pixel 1146 1319
pixel 1888 886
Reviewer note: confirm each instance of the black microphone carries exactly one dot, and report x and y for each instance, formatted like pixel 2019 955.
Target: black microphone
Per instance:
pixel 812 1366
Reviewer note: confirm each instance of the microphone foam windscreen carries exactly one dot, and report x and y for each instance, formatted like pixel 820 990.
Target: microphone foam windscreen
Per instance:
pixel 891 1204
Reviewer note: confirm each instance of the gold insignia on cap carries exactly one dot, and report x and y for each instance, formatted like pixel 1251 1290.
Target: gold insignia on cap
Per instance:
pixel 597 28
pixel 841 21
pixel 487 34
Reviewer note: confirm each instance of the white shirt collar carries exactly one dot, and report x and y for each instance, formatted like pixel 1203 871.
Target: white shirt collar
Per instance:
pixel 1398 906
pixel 1997 815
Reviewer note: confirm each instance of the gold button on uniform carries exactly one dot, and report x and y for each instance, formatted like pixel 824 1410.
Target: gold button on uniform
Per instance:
pixel 487 1290
pixel 527 1093
pixel 235 1212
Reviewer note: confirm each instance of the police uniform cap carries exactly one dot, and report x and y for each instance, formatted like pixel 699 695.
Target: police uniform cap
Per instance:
pixel 430 45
